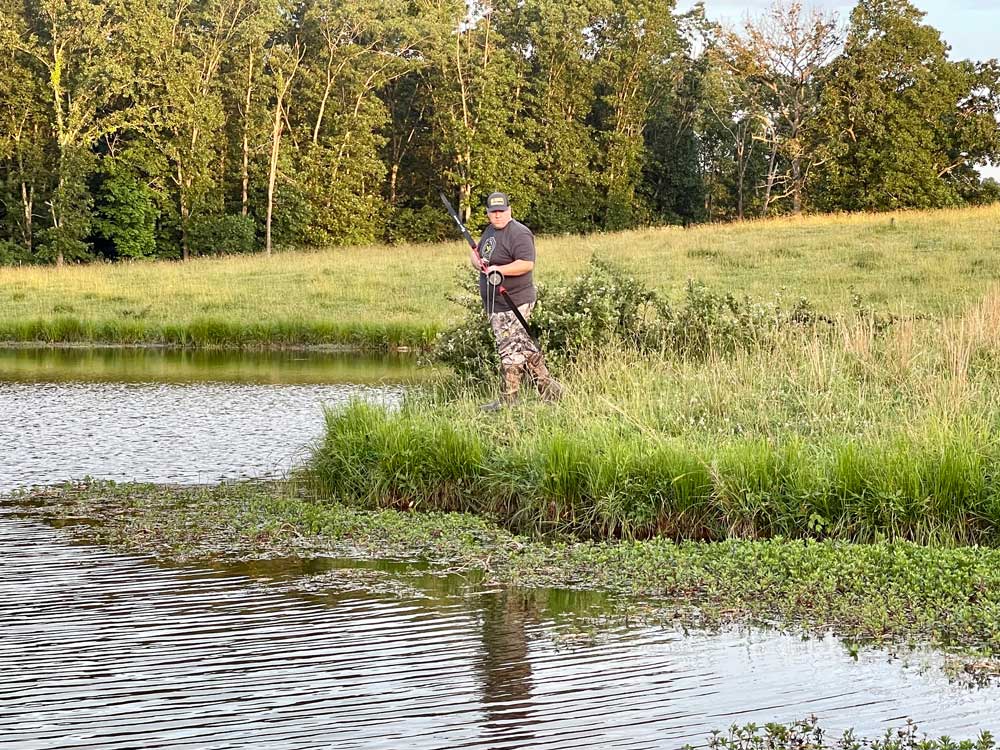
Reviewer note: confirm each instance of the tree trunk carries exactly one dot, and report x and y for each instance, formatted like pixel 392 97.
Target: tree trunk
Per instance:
pixel 57 214
pixel 393 176
pixel 741 171
pixel 272 174
pixel 770 178
pixel 245 174
pixel 284 84
pixel 185 214
pixel 27 201
pixel 796 186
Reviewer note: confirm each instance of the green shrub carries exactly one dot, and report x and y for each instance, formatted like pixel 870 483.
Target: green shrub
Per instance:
pixel 608 307
pixel 126 213
pixel 221 235
pixel 13 254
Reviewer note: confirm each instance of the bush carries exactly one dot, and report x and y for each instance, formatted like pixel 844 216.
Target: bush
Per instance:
pixel 13 254
pixel 220 235
pixel 608 307
pixel 605 304
pixel 425 224
pixel 126 214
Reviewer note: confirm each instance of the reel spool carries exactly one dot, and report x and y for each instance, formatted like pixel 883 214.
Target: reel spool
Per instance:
pixel 494 278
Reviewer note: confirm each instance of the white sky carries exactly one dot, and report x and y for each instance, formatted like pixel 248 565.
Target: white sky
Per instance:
pixel 971 27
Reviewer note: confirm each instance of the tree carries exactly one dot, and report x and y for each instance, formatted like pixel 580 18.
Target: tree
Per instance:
pixel 909 123
pixel 474 82
pixel 354 50
pixel 283 64
pixel 634 44
pixel 125 212
pixel 559 98
pixel 81 52
pixel 782 56
pixel 24 135
pixel 187 123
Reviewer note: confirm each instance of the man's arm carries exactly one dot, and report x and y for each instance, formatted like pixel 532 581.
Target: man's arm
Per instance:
pixel 515 268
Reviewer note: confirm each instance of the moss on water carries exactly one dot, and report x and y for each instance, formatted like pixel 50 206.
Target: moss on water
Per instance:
pixel 887 593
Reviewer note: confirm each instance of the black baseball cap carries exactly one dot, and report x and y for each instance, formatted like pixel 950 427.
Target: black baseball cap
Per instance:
pixel 497 202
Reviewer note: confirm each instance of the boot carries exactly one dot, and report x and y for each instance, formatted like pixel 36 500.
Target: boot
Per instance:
pixel 511 387
pixel 549 388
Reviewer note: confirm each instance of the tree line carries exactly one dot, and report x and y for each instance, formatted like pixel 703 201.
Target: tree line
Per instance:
pixel 173 128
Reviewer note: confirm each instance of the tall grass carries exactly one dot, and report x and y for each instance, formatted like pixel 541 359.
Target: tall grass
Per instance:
pixel 381 297
pixel 849 433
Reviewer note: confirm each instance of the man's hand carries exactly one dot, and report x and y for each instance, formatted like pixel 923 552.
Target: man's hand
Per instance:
pixel 475 260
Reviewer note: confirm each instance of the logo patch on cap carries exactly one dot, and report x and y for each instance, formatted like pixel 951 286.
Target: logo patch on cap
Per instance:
pixel 497 200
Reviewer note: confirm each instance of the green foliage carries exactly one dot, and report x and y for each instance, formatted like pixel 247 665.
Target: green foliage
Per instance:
pixel 808 735
pixel 467 347
pixel 608 308
pixel 604 306
pixel 917 122
pixel 67 237
pixel 709 322
pixel 418 225
pixel 222 235
pixel 593 115
pixel 126 214
pixel 14 254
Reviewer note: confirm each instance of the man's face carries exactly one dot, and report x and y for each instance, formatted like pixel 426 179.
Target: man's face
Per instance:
pixel 499 219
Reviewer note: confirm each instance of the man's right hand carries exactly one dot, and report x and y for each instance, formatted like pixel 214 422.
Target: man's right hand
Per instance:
pixel 476 261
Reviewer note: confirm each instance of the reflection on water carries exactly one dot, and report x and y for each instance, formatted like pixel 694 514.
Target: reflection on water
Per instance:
pixel 102 650
pixel 151 365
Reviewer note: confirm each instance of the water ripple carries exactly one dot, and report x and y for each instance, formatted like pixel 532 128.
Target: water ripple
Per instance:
pixel 102 650
pixel 170 433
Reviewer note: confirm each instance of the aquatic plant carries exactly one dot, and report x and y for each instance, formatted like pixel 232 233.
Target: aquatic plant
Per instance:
pixel 895 593
pixel 808 735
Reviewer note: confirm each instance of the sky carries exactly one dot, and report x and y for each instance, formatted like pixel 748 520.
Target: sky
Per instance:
pixel 971 27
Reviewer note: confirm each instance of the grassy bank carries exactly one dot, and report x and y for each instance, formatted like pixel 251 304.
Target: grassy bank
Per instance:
pixel 381 297
pixel 846 431
pixel 885 593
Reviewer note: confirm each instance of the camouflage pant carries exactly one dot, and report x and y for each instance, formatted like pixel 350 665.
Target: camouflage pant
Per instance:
pixel 513 343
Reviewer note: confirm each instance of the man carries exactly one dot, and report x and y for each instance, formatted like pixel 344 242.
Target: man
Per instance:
pixel 507 246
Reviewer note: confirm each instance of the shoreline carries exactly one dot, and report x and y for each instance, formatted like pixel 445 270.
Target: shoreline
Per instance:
pixel 152 345
pixel 871 595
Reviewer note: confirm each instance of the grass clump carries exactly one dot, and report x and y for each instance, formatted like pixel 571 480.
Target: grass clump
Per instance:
pixel 808 735
pixel 608 481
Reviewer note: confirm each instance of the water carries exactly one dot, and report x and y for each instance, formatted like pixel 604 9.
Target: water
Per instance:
pixel 105 650
pixel 112 651
pixel 66 414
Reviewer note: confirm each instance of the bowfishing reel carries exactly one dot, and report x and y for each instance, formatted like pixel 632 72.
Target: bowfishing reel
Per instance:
pixel 494 277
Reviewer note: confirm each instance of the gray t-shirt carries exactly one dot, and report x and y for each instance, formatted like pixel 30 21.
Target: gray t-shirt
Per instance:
pixel 498 247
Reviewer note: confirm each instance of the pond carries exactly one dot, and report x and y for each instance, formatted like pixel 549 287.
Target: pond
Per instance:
pixel 106 650
pixel 175 416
